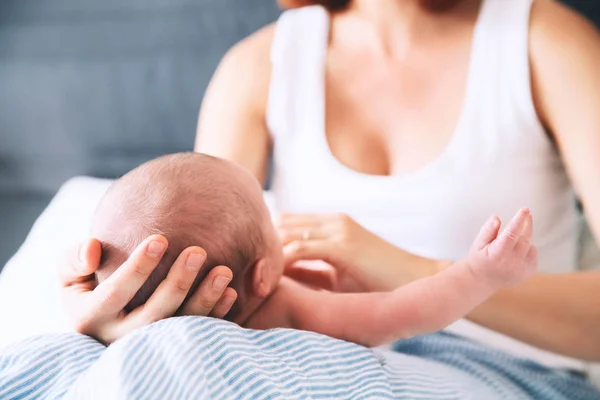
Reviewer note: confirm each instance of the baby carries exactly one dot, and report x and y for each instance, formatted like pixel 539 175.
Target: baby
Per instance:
pixel 198 200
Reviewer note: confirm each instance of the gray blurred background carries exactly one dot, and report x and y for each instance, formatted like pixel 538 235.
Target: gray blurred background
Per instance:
pixel 95 88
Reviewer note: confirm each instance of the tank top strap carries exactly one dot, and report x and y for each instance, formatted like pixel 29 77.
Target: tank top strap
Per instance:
pixel 504 58
pixel 303 30
pixel 297 55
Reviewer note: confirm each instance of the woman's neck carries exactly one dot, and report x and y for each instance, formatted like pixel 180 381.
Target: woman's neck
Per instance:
pixel 392 27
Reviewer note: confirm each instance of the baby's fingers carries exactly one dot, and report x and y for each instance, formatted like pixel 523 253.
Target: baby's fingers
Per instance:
pixel 522 247
pixel 528 230
pixel 532 256
pixel 487 234
pixel 513 232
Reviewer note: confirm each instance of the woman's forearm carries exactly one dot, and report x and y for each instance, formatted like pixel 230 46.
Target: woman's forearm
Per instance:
pixel 559 313
pixel 555 312
pixel 385 275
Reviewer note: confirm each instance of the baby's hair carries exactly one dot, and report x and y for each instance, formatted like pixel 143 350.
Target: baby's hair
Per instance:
pixel 193 200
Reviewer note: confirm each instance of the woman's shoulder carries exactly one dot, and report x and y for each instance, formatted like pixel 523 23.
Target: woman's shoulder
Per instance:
pixel 253 52
pixel 557 31
pixel 259 46
pixel 248 64
pixel 244 72
pixel 564 46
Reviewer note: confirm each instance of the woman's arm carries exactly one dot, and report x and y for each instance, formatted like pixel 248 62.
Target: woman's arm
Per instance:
pixel 232 122
pixel 561 312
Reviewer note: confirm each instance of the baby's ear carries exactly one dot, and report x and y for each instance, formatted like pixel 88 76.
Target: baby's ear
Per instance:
pixel 261 279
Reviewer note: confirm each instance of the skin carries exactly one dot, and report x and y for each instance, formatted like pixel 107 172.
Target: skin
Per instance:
pixel 98 310
pixel 424 306
pixel 181 196
pixel 391 52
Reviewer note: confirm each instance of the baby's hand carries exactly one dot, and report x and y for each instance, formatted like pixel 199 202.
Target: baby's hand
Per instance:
pixel 508 258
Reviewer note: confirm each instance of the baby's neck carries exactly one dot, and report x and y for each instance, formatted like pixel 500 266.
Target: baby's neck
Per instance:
pixel 252 303
pixel 251 307
pixel 278 310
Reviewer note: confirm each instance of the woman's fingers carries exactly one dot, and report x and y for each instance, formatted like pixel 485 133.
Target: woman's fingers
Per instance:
pixel 168 296
pixel 99 310
pixel 306 233
pixel 209 292
pixel 307 250
pixel 305 220
pixel 172 291
pixel 224 304
pixel 296 227
pixel 80 262
pixel 112 295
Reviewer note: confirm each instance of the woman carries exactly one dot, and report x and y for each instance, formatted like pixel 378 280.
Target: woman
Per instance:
pixel 398 127
pixel 410 115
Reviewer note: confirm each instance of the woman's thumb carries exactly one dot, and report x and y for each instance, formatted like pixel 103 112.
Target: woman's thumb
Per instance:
pixel 80 262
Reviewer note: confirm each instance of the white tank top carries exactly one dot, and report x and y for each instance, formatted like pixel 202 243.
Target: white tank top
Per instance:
pixel 498 160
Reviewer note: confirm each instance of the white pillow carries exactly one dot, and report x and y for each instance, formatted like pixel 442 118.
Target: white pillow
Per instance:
pixel 29 296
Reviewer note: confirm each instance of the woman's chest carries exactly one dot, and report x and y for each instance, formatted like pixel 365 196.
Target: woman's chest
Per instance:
pixel 437 210
pixel 391 121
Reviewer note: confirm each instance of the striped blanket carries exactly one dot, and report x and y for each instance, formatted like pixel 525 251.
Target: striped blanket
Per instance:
pixel 204 358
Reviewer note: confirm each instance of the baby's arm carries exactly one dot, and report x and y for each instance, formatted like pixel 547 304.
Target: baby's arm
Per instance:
pixel 429 304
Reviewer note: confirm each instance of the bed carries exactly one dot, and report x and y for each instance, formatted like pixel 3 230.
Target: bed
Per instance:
pixel 29 283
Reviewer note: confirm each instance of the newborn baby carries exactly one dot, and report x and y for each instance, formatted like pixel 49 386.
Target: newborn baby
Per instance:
pixel 193 200
pixel 198 200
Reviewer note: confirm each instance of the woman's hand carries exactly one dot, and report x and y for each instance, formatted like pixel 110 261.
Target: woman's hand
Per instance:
pixel 362 260
pixel 98 310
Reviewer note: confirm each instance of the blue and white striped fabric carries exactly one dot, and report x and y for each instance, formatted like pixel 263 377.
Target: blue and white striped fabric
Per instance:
pixel 45 367
pixel 203 358
pixel 492 371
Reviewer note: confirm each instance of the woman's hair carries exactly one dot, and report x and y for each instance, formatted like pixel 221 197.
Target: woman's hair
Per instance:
pixel 331 5
pixel 337 5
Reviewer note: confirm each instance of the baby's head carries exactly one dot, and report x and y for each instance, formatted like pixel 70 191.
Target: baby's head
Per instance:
pixel 193 200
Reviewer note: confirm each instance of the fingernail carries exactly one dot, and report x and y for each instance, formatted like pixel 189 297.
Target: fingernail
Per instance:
pixel 155 249
pixel 228 301
pixel 194 261
pixel 220 282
